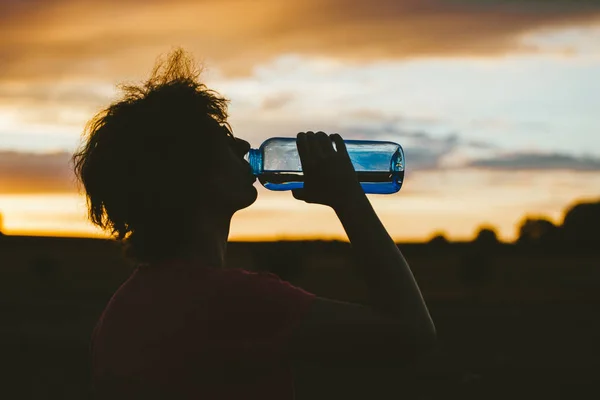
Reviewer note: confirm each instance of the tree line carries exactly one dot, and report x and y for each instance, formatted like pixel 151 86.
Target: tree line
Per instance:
pixel 580 226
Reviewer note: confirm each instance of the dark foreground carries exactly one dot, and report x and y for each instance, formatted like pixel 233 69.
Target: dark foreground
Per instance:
pixel 514 322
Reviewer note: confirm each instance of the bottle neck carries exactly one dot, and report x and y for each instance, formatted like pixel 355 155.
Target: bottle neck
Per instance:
pixel 254 158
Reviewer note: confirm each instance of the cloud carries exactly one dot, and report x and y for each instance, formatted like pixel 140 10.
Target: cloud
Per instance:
pixel 54 39
pixel 424 151
pixel 277 101
pixel 35 173
pixel 537 162
pixel 60 104
pixel 22 172
pixel 45 94
pixel 428 152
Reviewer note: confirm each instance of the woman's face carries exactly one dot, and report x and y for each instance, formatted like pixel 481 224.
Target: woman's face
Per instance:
pixel 232 184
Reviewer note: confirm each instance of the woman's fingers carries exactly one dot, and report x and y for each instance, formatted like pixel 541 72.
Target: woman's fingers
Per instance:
pixel 304 151
pixel 325 145
pixel 340 146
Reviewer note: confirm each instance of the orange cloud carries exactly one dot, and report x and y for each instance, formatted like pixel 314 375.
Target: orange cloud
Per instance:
pixel 65 38
pixel 36 173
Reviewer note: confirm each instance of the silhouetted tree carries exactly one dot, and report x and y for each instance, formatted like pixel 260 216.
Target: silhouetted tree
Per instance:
pixel 486 236
pixel 581 223
pixel 438 239
pixel 537 231
pixel 1 225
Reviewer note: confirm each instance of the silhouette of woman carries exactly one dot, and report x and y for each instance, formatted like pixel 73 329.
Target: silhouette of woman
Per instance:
pixel 164 174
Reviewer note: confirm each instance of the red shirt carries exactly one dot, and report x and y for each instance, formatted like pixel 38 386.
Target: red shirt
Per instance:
pixel 184 331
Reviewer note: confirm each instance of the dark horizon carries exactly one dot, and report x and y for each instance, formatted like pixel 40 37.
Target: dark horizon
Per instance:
pixel 578 228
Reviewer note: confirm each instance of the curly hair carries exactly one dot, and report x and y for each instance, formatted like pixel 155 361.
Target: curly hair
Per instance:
pixel 141 161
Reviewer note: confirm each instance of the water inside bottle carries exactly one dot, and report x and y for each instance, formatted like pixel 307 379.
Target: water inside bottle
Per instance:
pixel 384 182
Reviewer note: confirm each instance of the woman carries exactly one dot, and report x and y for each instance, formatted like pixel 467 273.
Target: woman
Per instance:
pixel 164 174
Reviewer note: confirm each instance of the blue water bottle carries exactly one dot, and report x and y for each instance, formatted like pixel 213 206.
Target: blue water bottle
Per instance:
pixel 378 165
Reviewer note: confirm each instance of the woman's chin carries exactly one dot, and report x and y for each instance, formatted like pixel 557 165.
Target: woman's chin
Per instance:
pixel 248 198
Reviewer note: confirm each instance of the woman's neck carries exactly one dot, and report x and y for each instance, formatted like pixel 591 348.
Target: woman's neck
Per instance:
pixel 209 246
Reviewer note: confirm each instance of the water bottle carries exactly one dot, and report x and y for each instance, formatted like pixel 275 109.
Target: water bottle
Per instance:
pixel 378 165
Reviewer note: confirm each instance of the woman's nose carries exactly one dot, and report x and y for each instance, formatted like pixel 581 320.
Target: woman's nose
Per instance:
pixel 243 146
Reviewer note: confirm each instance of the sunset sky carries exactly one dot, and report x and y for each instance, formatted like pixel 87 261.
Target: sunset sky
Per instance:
pixel 496 102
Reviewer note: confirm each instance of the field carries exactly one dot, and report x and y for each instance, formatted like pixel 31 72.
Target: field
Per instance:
pixel 514 322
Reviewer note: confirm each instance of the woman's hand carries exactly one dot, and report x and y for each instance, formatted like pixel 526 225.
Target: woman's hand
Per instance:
pixel 329 176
